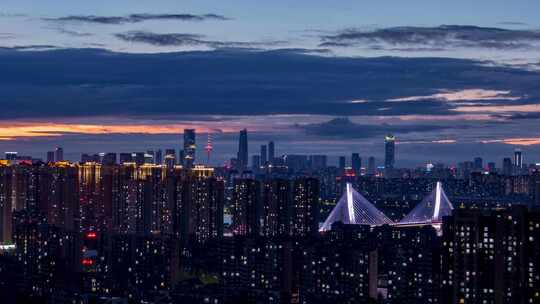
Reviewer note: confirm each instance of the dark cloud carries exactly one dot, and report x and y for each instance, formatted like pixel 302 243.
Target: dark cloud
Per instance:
pixel 136 18
pixel 186 39
pixel 513 23
pixel 30 47
pixel 239 82
pixel 345 128
pixel 521 116
pixel 444 36
pixel 176 39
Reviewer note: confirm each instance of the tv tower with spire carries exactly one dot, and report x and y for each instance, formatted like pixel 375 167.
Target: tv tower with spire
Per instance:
pixel 209 147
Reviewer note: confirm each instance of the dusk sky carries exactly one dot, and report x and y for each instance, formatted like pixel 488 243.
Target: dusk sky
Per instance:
pixel 451 79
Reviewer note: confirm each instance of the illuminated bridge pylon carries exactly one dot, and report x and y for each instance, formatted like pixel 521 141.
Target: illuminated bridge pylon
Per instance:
pixel 353 208
pixel 430 211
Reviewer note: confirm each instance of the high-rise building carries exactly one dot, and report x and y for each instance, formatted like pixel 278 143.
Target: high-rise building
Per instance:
pixel 158 157
pixel 518 159
pixel 255 162
pixel 246 207
pixel 59 154
pixel 507 166
pixel 264 155
pixel 170 158
pixel 243 150
pixel 318 162
pixel 125 158
pixel 389 151
pixel 487 256
pixel 371 166
pixel 5 203
pixel 50 156
pixel 198 208
pixel 305 210
pixel 478 163
pixel 277 198
pixel 342 161
pixel 190 148
pixel 356 163
pixel 271 152
pixel 492 167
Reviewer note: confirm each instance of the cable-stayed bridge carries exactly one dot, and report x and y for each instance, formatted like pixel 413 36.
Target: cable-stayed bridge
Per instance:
pixel 353 208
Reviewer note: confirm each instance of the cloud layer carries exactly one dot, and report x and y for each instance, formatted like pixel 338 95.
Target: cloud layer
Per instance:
pixel 136 18
pixel 434 38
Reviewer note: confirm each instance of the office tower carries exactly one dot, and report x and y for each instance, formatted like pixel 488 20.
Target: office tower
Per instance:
pixel 518 159
pixel 242 155
pixel 296 163
pixel 305 210
pixel 264 155
pixel 246 207
pixel 507 166
pixel 342 163
pixel 356 163
pixel 50 156
pixel 125 158
pixel 271 153
pixel 59 154
pixel 158 157
pixel 11 155
pixel 190 148
pixel 478 164
pixel 108 159
pixel 255 163
pixel 170 158
pixel 389 151
pixel 492 167
pixel 5 204
pixel 371 166
pixel 138 157
pixel 277 207
pixel 318 162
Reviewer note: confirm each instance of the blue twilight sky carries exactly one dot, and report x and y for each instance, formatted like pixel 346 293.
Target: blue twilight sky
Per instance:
pixel 452 79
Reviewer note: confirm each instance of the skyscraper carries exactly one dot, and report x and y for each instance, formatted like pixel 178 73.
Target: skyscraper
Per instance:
pixel 356 163
pixel 59 154
pixel 271 152
pixel 518 159
pixel 478 163
pixel 50 156
pixel 189 148
pixel 389 151
pixel 342 161
pixel 371 166
pixel 507 166
pixel 263 155
pixel 243 150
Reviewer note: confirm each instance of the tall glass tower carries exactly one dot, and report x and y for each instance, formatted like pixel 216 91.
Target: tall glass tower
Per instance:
pixel 389 151
pixel 243 150
pixel 189 148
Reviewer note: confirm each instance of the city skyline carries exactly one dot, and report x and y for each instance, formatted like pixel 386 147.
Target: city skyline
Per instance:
pixel 458 78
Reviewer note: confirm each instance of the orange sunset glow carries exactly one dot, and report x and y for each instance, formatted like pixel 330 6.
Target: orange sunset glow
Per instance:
pixel 35 129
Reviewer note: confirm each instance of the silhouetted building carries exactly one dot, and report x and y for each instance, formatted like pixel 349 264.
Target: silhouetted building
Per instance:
pixel 271 152
pixel 190 148
pixel 242 151
pixel 389 151
pixel 356 163
pixel 264 155
pixel 59 154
